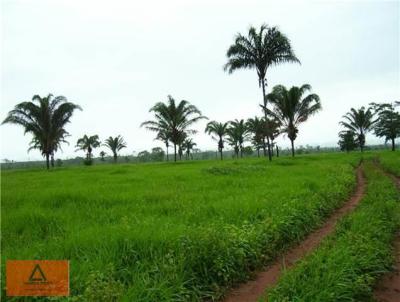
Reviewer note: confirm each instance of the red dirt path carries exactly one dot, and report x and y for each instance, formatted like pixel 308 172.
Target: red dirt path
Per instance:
pixel 254 289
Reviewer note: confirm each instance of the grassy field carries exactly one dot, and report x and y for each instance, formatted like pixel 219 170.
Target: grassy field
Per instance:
pixel 390 161
pixel 168 232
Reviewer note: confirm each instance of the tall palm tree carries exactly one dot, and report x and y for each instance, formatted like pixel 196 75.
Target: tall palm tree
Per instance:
pixel 360 122
pixel 291 108
pixel 115 144
pixel 258 129
pixel 260 50
pixel 388 122
pixel 188 145
pixel 45 118
pixel 220 130
pixel 237 135
pixel 174 119
pixel 88 143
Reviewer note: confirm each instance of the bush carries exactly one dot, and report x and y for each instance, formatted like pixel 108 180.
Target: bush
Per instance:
pixel 88 162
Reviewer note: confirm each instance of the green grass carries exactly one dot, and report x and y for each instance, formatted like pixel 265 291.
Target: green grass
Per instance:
pixel 390 161
pixel 346 265
pixel 168 232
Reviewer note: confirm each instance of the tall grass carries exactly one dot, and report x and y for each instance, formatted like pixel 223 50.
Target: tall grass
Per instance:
pixel 168 232
pixel 390 161
pixel 347 264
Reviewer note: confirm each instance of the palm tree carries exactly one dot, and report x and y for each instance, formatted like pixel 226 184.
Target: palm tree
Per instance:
pixel 257 127
pixel 360 122
pixel 237 134
pixel 180 140
pixel 291 109
pixel 273 130
pixel 188 145
pixel 115 144
pixel 220 130
pixel 347 141
pixel 174 119
pixel 260 50
pixel 102 154
pixel 388 123
pixel 45 118
pixel 164 136
pixel 88 143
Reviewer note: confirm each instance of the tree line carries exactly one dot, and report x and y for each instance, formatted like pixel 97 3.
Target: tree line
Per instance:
pixel 283 110
pixel 381 119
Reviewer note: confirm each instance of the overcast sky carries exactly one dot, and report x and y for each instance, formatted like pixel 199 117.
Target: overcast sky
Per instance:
pixel 117 58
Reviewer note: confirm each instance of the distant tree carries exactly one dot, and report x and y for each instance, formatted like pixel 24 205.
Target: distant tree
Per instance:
pixel 174 120
pixel 237 135
pixel 257 127
pixel 164 136
pixel 247 150
pixel 291 109
pixel 347 141
pixel 273 130
pixel 115 144
pixel 88 143
pixel 188 146
pixel 144 156
pixel 102 154
pixel 260 50
pixel 220 130
pixel 157 154
pixel 59 162
pixel 45 118
pixel 360 122
pixel 387 124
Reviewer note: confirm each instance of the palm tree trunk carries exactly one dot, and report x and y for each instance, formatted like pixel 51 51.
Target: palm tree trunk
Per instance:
pixel 167 154
pixel 47 161
pixel 265 114
pixel 277 151
pixel 52 160
pixel 220 151
pixel 115 157
pixel 258 152
pixel 175 152
pixel 264 147
pixel 393 145
pixel 292 141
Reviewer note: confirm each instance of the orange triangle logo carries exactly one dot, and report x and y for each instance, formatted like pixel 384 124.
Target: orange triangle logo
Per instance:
pixel 37 275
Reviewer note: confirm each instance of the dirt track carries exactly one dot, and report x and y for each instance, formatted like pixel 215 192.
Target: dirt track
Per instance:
pixel 252 290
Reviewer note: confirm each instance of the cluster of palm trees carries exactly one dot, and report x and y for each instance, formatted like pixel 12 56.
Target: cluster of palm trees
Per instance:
pixel 284 109
pixel 88 143
pixel 381 118
pixel 172 124
pixel 289 108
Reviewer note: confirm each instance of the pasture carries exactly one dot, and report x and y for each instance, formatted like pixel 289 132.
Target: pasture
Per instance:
pixel 168 232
